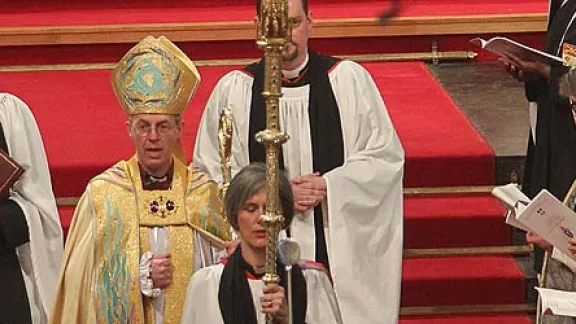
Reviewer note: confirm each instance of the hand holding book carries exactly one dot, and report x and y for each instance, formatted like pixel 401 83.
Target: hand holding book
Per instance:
pixel 533 238
pixel 505 47
pixel 545 216
pixel 523 70
pixel 10 171
pixel 523 62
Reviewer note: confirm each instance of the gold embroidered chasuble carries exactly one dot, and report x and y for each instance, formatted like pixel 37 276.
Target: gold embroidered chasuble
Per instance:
pixel 99 281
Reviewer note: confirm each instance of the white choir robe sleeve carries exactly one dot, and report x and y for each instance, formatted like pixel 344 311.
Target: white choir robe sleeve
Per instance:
pixel 322 305
pixel 201 304
pixel 364 203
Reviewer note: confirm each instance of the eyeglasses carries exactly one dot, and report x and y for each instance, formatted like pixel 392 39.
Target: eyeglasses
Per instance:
pixel 161 129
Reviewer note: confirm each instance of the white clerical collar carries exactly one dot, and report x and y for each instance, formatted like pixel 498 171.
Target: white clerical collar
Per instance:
pixel 291 74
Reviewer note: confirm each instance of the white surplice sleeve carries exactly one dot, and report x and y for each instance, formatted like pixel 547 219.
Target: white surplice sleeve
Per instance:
pixel 234 89
pixel 364 200
pixel 322 305
pixel 201 304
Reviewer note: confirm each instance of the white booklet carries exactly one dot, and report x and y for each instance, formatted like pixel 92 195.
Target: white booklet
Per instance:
pixel 551 219
pixel 562 303
pixel 503 46
pixel 515 201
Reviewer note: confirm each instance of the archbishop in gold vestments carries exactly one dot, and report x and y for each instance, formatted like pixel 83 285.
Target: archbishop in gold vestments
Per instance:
pixel 100 282
pixel 120 222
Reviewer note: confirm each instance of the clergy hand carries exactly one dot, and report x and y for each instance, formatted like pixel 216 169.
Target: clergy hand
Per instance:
pixel 161 271
pixel 525 70
pixel 534 238
pixel 274 303
pixel 309 191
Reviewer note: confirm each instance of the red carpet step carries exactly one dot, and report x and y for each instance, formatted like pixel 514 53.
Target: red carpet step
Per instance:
pixel 454 221
pixel 469 319
pixel 462 281
pixel 84 132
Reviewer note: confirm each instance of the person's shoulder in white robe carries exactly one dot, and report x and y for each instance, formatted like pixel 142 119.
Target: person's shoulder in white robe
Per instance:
pixel 202 305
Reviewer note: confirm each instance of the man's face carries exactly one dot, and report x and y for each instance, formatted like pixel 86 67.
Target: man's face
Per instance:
pixel 297 48
pixel 154 137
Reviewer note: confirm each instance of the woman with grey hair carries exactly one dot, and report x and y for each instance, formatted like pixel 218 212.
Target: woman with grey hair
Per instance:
pixel 233 292
pixel 247 183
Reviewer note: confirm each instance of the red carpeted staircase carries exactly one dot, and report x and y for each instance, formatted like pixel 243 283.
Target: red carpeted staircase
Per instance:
pixel 457 266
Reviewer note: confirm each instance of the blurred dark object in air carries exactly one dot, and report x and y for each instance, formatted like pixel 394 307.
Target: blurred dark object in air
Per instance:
pixel 391 12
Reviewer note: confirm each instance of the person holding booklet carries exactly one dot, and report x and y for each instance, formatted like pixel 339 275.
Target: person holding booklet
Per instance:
pixel 559 286
pixel 551 156
pixel 554 221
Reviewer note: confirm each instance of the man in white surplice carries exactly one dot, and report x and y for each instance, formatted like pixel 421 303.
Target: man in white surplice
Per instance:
pixel 345 161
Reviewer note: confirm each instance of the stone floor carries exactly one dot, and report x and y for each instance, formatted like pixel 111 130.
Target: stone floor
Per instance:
pixel 495 103
pixel 492 99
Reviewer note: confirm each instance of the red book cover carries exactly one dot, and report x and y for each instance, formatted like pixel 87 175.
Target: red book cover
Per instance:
pixel 10 171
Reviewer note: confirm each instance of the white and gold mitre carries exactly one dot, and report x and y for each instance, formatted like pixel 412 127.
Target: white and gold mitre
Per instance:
pixel 155 77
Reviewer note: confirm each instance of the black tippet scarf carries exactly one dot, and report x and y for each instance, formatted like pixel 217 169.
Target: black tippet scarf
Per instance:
pixel 325 127
pixel 235 296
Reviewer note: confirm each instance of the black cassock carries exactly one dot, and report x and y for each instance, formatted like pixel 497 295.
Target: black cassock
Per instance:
pixel 551 161
pixel 14 307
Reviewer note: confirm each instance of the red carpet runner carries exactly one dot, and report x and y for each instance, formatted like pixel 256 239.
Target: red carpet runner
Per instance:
pixel 84 131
